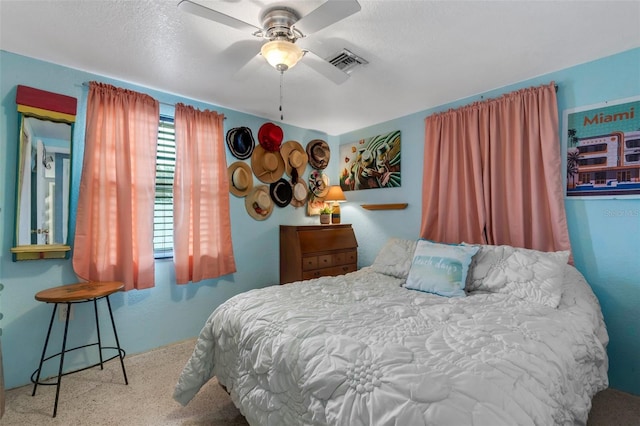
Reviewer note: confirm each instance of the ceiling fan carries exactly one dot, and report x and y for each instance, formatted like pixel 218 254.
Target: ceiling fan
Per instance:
pixel 282 26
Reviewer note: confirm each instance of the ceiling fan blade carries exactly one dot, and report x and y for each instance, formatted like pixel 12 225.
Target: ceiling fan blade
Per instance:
pixel 240 52
pixel 324 67
pixel 250 68
pixel 213 15
pixel 326 14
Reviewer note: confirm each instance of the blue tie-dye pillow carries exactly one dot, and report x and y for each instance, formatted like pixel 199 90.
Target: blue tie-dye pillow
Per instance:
pixel 440 268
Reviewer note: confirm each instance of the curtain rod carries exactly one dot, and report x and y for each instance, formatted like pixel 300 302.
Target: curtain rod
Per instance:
pixel 86 84
pixel 483 99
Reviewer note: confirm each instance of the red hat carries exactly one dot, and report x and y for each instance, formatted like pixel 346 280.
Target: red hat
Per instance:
pixel 270 136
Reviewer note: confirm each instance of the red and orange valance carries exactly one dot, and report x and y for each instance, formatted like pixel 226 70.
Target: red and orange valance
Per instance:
pixel 42 103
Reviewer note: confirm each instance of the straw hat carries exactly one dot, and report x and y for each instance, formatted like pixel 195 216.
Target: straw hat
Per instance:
pixel 258 203
pixel 318 183
pixel 268 166
pixel 281 192
pixel 319 154
pixel 300 194
pixel 294 156
pixel 240 178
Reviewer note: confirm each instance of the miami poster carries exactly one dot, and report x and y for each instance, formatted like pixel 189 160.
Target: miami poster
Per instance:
pixel 603 149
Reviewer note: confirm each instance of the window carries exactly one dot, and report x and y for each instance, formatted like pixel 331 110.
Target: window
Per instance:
pixel 600 147
pixel 592 161
pixel 632 143
pixel 624 176
pixel 632 158
pixel 584 178
pixel 163 207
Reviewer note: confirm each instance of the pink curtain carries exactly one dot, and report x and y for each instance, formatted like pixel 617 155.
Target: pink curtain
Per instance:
pixel 114 224
pixel 452 200
pixel 202 223
pixel 493 173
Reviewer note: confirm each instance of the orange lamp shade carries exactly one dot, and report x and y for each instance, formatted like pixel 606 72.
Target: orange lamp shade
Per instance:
pixel 335 194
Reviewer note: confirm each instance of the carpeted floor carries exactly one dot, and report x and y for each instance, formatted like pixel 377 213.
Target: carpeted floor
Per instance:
pixel 95 397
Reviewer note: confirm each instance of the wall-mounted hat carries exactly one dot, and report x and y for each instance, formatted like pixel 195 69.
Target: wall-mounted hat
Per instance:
pixel 268 166
pixel 258 203
pixel 294 156
pixel 300 194
pixel 240 142
pixel 319 154
pixel 318 183
pixel 281 192
pixel 240 178
pixel 270 136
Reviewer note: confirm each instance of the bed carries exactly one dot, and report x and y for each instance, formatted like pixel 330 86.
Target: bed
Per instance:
pixel 524 345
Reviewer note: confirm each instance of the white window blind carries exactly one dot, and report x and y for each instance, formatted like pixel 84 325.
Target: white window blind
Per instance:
pixel 163 208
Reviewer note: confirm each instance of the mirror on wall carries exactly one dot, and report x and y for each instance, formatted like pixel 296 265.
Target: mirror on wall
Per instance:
pixel 43 175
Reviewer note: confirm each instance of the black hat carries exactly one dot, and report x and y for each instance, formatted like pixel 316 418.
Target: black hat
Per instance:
pixel 240 142
pixel 281 192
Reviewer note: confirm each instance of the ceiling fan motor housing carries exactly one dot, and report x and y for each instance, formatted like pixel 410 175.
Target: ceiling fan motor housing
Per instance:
pixel 278 23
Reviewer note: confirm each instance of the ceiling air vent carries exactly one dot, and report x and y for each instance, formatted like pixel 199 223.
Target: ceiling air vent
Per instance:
pixel 346 60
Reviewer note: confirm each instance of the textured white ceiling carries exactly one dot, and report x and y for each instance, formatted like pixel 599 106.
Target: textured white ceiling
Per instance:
pixel 421 53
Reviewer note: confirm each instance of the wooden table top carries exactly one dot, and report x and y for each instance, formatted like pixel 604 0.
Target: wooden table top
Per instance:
pixel 79 291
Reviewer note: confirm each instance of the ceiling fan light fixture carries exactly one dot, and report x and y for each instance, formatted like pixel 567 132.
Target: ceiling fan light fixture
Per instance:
pixel 281 54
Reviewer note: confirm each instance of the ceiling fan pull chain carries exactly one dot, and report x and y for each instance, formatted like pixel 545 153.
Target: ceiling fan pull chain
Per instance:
pixel 281 78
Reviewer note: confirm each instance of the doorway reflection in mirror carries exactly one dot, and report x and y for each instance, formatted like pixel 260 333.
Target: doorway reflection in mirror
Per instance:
pixel 43 187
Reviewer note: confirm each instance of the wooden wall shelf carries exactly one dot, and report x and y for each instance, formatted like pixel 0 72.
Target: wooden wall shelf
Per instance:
pixel 398 206
pixel 40 251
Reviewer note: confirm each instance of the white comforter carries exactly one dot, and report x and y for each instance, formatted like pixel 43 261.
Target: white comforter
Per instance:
pixel 361 350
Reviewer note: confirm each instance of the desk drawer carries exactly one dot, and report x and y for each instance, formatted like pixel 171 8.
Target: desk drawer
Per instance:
pixel 325 261
pixel 309 263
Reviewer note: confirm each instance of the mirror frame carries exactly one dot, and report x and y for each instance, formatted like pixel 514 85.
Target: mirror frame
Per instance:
pixel 47 106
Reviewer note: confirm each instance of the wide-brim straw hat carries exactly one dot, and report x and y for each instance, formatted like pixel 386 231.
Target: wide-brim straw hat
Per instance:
pixel 268 166
pixel 240 142
pixel 300 194
pixel 240 178
pixel 294 156
pixel 319 154
pixel 258 203
pixel 318 183
pixel 281 192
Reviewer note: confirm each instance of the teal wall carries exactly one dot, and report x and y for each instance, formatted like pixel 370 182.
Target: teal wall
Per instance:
pixel 605 244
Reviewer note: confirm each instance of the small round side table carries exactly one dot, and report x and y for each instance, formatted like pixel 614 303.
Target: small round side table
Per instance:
pixel 72 294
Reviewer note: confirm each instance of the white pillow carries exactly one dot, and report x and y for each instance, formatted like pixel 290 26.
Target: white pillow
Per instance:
pixel 440 268
pixel 528 274
pixel 395 258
